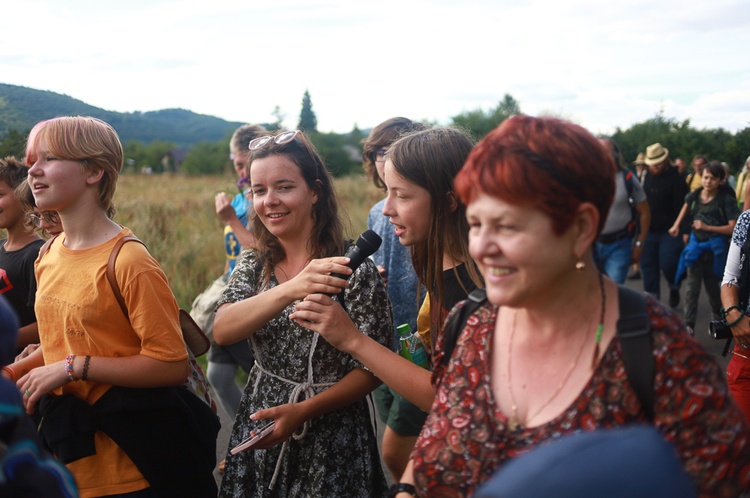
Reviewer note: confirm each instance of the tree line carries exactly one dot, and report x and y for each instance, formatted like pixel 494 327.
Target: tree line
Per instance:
pixel 342 153
pixel 683 140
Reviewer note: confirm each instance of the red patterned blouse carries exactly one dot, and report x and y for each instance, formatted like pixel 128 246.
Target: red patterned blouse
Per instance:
pixel 466 438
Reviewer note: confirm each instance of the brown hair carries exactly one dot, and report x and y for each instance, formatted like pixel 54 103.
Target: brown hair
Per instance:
pixel 327 237
pixel 13 172
pixel 381 137
pixel 431 159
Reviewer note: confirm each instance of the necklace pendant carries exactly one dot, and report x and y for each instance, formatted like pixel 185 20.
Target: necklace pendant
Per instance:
pixel 512 424
pixel 513 419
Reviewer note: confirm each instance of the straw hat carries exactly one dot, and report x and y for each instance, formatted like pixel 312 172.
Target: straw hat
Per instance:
pixel 640 159
pixel 656 154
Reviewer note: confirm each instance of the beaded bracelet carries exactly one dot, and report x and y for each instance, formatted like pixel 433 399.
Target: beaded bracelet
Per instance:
pixel 85 374
pixel 727 310
pixel 69 367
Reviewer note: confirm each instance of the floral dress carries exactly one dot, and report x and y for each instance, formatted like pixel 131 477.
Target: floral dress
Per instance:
pixel 466 438
pixel 335 454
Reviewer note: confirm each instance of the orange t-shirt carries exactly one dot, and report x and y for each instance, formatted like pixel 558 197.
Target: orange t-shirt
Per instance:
pixel 77 313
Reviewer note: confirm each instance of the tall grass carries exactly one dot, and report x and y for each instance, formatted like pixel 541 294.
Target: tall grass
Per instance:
pixel 174 215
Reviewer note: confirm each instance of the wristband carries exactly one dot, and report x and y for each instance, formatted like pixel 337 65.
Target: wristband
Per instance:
pixel 69 367
pixel 85 374
pixel 11 372
pixel 401 487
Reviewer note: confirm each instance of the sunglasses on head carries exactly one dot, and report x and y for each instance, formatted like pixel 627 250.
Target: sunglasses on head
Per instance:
pixel 280 139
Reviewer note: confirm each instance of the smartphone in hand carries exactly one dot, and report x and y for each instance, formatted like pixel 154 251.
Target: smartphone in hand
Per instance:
pixel 248 443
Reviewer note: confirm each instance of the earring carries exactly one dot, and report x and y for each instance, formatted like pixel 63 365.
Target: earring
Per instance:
pixel 580 266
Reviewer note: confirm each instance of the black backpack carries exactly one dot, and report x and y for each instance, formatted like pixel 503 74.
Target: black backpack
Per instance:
pixel 633 330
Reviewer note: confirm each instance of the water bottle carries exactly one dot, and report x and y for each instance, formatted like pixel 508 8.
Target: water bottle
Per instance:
pixel 411 347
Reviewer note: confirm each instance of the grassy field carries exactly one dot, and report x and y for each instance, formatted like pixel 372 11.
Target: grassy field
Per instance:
pixel 174 215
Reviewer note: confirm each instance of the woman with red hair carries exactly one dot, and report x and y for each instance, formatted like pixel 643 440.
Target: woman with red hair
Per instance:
pixel 540 358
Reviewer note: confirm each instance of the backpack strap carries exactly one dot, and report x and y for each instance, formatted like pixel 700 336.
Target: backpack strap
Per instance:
pixel 45 247
pixel 110 266
pixel 456 324
pixel 634 216
pixel 629 184
pixel 112 278
pixel 193 335
pixel 636 341
pixel 695 201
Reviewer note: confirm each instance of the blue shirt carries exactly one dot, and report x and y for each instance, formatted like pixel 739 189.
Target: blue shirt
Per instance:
pixel 232 246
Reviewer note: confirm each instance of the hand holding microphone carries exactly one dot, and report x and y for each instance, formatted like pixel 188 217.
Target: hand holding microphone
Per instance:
pixel 317 313
pixel 366 245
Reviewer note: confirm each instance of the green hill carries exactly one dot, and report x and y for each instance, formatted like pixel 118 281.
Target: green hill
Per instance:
pixel 22 107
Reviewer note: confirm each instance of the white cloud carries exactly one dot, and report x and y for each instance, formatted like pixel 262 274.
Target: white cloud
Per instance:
pixel 603 65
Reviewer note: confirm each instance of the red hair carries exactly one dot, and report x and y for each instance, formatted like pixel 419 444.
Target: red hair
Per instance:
pixel 546 162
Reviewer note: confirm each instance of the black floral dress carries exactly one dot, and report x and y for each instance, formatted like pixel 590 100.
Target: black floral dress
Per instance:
pixel 332 455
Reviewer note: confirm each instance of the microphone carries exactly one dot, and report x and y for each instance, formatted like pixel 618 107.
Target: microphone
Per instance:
pixel 366 245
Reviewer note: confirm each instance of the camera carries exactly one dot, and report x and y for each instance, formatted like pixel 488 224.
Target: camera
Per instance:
pixel 719 330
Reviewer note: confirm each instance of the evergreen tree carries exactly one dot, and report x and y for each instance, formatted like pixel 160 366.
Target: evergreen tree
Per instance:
pixel 279 116
pixel 479 122
pixel 507 108
pixel 307 120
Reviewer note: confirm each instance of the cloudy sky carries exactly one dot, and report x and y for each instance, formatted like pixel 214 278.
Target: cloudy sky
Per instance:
pixel 601 64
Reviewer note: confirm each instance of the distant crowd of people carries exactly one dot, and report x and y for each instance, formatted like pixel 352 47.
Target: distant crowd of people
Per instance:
pixel 508 257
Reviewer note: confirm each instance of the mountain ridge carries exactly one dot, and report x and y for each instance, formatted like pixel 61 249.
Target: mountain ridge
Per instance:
pixel 22 107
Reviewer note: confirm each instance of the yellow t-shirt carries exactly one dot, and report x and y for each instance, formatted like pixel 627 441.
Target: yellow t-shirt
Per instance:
pixel 696 181
pixel 77 313
pixel 424 320
pixel 740 190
